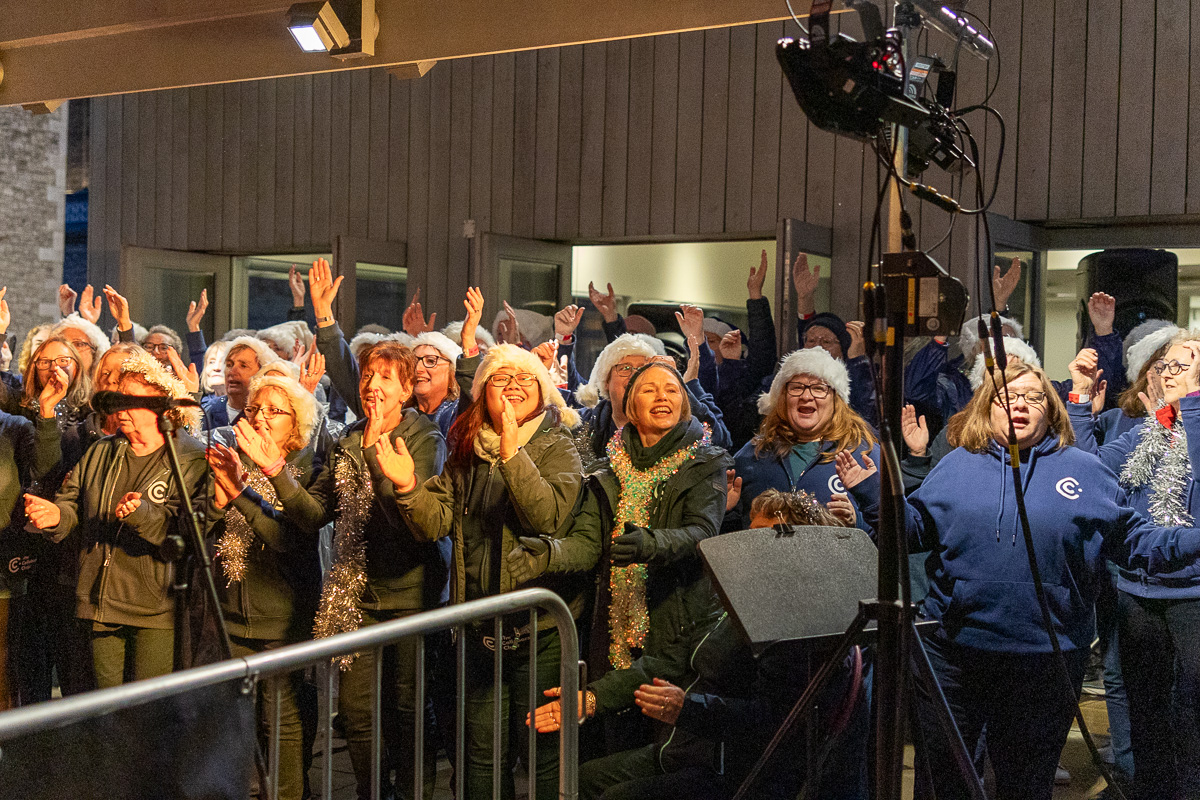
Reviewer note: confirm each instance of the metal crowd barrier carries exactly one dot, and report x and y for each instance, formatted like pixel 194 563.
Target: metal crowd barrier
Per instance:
pixel 275 665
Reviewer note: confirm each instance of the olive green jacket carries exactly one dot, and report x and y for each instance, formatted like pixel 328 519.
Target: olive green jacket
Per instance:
pixel 487 506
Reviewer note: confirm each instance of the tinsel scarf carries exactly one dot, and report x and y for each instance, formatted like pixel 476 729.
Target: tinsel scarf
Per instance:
pixel 338 611
pixel 628 617
pixel 1160 460
pixel 234 546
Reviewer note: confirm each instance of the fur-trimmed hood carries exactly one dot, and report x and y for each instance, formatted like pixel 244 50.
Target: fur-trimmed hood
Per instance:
pixel 509 355
pixel 627 344
pixel 814 361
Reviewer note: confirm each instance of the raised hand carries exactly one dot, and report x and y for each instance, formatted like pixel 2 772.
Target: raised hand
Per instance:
pixel 196 309
pixel 313 369
pixel 414 317
pixel 857 346
pixel 731 345
pixel 260 449
pixel 508 330
pixel 323 288
pixel 1083 370
pixel 508 431
pixel 53 392
pixel 296 284
pixel 473 302
pixel 1191 376
pixel 1098 396
pixel 850 472
pixel 5 314
pixel 733 489
pixel 691 321
pixel 914 430
pixel 42 513
pixel 118 306
pixel 66 300
pixel 188 374
pixel 1004 285
pixel 130 503
pixel 396 463
pixel 660 700
pixel 89 306
pixel 754 284
pixel 805 282
pixel 606 304
pixel 567 320
pixel 1102 310
pixel 546 353
pixel 840 506
pixel 693 364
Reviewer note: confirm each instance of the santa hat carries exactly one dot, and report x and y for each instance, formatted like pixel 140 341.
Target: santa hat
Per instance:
pixel 627 344
pixel 522 360
pixel 1012 347
pixel 440 342
pixel 483 339
pixel 1144 341
pixel 94 334
pixel 814 361
pixel 968 337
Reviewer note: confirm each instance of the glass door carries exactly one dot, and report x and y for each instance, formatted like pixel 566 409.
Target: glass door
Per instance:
pixel 527 273
pixel 376 286
pixel 159 284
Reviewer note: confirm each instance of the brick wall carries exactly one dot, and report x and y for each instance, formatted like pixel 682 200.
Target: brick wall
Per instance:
pixel 33 179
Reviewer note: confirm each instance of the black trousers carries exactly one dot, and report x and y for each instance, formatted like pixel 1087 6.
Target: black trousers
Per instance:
pixel 1160 661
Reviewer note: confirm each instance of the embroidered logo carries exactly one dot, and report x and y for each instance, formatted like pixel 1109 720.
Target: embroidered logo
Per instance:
pixel 157 492
pixel 1068 488
pixel 835 485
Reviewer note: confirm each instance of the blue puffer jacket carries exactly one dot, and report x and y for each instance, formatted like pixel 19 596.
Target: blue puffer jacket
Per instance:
pixel 1182 582
pixel 769 471
pixel 981 587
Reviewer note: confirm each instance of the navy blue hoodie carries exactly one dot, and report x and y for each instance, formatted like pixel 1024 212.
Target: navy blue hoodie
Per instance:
pixel 981 588
pixel 1183 580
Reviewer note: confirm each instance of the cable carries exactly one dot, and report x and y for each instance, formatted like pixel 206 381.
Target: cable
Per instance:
pixel 795 18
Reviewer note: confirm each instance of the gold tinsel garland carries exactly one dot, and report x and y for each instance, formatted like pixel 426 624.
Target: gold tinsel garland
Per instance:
pixel 338 611
pixel 628 617
pixel 234 545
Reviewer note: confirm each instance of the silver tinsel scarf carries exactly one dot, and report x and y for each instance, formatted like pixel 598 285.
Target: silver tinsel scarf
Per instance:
pixel 1161 461
pixel 338 611
pixel 235 543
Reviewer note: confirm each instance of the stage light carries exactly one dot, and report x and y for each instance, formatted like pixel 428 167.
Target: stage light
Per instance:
pixel 316 28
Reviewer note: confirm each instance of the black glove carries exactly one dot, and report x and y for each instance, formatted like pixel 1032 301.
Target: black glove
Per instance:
pixel 529 560
pixel 635 546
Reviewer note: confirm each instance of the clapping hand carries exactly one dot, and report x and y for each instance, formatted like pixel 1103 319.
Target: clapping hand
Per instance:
pixel 196 309
pixel 733 489
pixel 396 463
pixel 414 317
pixel 262 450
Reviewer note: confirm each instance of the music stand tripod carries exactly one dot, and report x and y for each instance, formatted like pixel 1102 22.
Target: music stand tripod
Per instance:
pixel 899 645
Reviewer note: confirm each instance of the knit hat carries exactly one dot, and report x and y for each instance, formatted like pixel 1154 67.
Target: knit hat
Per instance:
pixel 968 337
pixel 834 324
pixel 441 343
pixel 1144 341
pixel 509 355
pixel 814 361
pixel 94 334
pixel 627 344
pixel 1012 347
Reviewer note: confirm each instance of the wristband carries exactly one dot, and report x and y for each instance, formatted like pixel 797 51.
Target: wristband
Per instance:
pixel 568 339
pixel 1079 398
pixel 474 351
pixel 324 320
pixel 273 470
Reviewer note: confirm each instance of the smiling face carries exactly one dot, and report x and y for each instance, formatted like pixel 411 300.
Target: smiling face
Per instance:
pixel 82 344
pixel 241 364
pixel 1029 418
pixel 1173 385
pixel 820 336
pixel 656 403
pixel 214 371
pixel 270 412
pixel 431 383
pixel 521 389
pixel 382 390
pixel 808 414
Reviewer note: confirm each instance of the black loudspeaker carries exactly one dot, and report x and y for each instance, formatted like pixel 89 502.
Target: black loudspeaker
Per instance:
pixel 1145 283
pixel 805 583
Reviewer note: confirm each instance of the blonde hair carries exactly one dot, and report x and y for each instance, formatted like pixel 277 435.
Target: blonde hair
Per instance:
pixel 305 410
pixel 971 428
pixel 79 391
pixel 793 508
pixel 845 430
pixel 219 347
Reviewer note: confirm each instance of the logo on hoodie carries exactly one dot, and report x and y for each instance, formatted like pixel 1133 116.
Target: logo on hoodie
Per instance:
pixel 835 485
pixel 158 492
pixel 1068 488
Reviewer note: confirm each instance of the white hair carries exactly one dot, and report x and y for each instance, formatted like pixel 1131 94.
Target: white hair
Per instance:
pixel 94 334
pixel 968 337
pixel 282 336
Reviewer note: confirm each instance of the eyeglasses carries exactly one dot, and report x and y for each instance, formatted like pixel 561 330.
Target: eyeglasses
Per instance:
pixel 522 378
pixel 1032 398
pixel 156 348
pixel 431 361
pixel 624 370
pixel 1170 367
pixel 819 391
pixel 82 343
pixel 813 341
pixel 47 363
pixel 266 412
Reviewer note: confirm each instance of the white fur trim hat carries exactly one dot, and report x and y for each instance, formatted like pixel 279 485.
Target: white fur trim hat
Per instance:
pixel 627 344
pixel 968 336
pixel 1012 347
pixel 483 339
pixel 364 341
pixel 440 342
pixel 94 334
pixel 264 354
pixel 814 361
pixel 1144 341
pixel 509 355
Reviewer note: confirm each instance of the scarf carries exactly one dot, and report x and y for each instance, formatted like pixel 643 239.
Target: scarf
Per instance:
pixel 487 441
pixel 338 610
pixel 628 617
pixel 234 545
pixel 1161 461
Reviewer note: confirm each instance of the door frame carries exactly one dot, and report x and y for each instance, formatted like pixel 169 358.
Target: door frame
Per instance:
pixel 135 259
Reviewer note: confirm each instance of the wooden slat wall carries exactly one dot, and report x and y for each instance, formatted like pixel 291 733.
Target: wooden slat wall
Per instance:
pixel 690 135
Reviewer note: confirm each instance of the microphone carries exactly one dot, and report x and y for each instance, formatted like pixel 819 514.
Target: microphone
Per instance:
pixel 112 402
pixel 998 342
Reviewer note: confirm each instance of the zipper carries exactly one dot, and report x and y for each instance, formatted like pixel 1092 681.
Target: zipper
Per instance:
pixel 690 686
